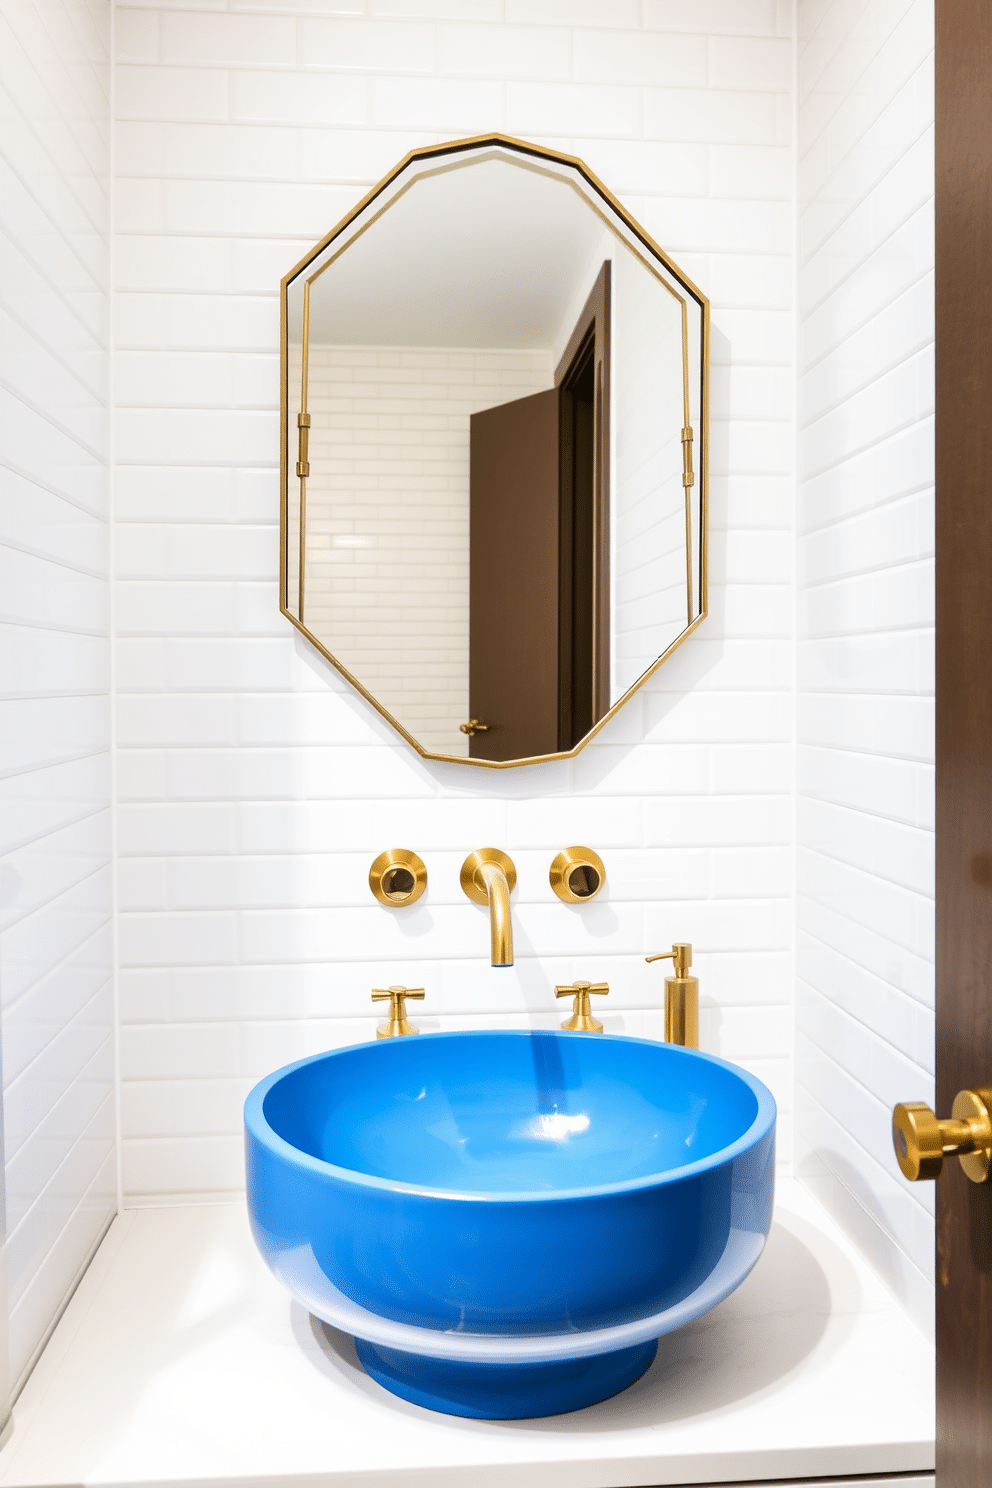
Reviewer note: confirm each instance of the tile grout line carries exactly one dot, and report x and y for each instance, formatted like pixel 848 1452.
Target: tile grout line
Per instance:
pixel 112 492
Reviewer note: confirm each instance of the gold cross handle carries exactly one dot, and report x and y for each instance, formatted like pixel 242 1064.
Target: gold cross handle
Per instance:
pixel 397 1025
pixel 582 1020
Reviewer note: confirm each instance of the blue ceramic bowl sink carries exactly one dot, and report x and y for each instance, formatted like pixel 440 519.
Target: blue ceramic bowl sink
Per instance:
pixel 510 1185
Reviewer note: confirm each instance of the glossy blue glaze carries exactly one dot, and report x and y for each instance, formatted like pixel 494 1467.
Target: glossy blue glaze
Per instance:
pixel 506 1392
pixel 511 1184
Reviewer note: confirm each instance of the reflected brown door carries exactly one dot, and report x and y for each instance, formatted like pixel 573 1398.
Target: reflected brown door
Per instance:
pixel 539 604
pixel 513 576
pixel 583 381
pixel 964 719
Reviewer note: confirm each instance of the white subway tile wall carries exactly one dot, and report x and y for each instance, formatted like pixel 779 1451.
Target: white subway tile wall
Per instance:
pixel 255 785
pixel 56 1003
pixel 864 1010
pixel 387 581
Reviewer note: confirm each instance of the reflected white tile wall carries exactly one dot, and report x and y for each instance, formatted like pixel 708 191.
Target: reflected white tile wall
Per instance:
pixel 255 787
pixel 388 581
pixel 865 852
pixel 55 897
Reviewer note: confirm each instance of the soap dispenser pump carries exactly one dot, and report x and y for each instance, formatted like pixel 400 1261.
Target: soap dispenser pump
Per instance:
pixel 681 997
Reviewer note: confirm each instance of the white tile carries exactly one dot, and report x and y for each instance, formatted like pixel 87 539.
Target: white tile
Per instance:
pixel 55 932
pixel 38 592
pixel 436 104
pixel 39 522
pixel 304 98
pixel 504 51
pixel 59 1263
pixel 219 151
pixel 182 93
pixel 136 35
pixel 762 171
pixel 625 57
pixel 644 170
pixel 556 109
pixel 616 13
pixel 193 1165
pixel 865 817
pixel 367 46
pixel 215 39
pixel 750 62
pixel 459 10
pixel 710 17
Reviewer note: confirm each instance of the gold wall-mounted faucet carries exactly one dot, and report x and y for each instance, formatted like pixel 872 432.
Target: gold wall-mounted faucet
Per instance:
pixel 487 877
pixel 681 997
pixel 397 1026
pixel 582 1020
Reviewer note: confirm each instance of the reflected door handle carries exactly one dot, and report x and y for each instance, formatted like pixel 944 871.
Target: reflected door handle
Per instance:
pixel 474 726
pixel 922 1142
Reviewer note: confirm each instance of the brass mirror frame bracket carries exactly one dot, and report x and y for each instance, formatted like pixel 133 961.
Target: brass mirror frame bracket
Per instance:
pixel 641 236
pixel 581 863
pixel 922 1142
pixel 397 863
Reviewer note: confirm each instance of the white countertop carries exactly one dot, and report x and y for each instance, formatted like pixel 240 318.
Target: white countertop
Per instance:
pixel 181 1360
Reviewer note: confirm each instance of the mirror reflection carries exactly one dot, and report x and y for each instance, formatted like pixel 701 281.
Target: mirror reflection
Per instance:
pixel 494 469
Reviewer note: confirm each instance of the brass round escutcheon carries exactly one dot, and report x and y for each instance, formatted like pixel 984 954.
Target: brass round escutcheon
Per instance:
pixel 922 1142
pixel 398 877
pixel 577 874
pixel 471 879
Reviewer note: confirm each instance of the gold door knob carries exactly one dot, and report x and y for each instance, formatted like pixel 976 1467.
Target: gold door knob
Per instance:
pixel 474 726
pixel 582 1020
pixel 397 1025
pixel 922 1142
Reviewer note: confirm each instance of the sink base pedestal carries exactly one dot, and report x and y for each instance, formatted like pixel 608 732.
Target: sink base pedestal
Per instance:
pixel 505 1392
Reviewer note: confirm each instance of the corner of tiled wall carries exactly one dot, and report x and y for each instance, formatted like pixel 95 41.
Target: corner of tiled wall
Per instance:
pixel 56 996
pixel 864 1009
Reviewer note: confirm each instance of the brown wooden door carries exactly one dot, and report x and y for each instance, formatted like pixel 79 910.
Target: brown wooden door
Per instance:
pixel 963 158
pixel 583 380
pixel 513 576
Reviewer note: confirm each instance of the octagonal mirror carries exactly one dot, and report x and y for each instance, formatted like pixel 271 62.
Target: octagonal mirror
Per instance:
pixel 494 453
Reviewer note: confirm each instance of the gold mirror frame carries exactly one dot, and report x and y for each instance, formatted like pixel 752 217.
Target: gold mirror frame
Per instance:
pixel 537 152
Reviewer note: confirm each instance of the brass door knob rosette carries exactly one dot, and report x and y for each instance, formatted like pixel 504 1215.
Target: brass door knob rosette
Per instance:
pixel 577 875
pixel 398 877
pixel 397 1026
pixel 922 1142
pixel 582 1020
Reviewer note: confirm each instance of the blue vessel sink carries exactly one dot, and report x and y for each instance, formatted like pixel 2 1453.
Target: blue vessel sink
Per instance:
pixel 509 1200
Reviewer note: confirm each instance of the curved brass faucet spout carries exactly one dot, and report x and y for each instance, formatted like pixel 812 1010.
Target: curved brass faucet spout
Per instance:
pixel 487 877
pixel 500 924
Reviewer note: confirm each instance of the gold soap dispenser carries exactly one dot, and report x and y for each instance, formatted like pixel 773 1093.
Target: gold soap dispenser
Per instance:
pixel 681 997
